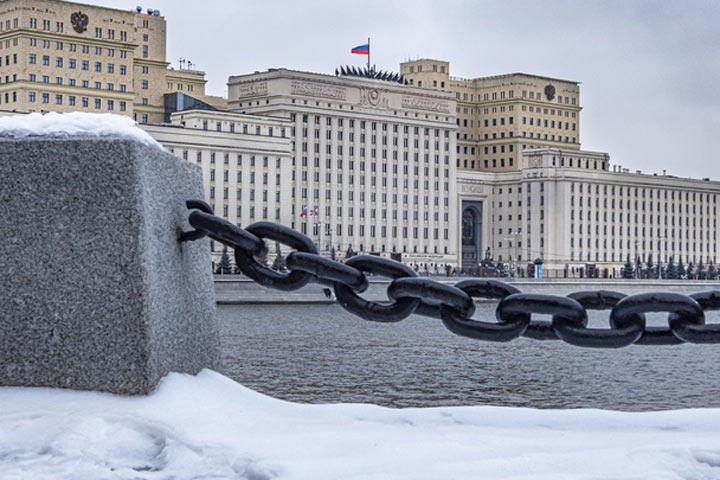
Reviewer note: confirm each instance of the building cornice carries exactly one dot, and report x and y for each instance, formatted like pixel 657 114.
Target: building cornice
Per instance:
pixel 338 81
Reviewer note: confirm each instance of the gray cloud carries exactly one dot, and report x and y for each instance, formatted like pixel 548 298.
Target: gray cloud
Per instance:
pixel 648 69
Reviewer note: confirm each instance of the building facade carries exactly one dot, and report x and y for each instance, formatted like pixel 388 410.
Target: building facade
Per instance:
pixel 584 217
pixel 500 116
pixel 57 56
pixel 373 161
pixel 246 163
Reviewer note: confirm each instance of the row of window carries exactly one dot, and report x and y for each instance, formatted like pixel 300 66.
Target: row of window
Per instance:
pixel 668 248
pixel 72 100
pixel 373 125
pixel 485 163
pixel 244 128
pixel 643 257
pixel 60 28
pixel 673 206
pixel 73 47
pixel 373 230
pixel 73 64
pixel 339 181
pixel 340 136
pixel 551 138
pixel 641 192
pixel 73 83
pixel 239 159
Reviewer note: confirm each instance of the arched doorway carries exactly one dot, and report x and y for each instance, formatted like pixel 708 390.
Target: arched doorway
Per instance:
pixel 471 234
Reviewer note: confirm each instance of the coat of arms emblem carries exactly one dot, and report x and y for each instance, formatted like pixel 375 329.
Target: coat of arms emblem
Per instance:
pixel 550 92
pixel 79 21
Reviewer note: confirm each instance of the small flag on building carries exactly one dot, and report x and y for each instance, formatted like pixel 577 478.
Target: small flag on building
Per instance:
pixel 304 212
pixel 314 211
pixel 361 49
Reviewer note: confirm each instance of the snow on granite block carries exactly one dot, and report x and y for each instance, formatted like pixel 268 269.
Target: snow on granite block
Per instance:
pixel 65 125
pixel 96 292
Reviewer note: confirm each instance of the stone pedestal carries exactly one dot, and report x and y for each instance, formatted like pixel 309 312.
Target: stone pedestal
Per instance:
pixel 95 291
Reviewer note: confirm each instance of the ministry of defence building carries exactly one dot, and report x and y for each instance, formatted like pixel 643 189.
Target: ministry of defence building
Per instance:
pixel 501 116
pixel 584 217
pixel 433 170
pixel 375 158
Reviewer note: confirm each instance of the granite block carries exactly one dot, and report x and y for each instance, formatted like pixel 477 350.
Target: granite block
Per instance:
pixel 96 292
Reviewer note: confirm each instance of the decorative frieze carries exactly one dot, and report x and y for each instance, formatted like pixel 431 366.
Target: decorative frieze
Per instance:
pixel 429 104
pixel 471 188
pixel 257 89
pixel 317 90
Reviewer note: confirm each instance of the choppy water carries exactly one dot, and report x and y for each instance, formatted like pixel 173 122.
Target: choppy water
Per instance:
pixel 321 354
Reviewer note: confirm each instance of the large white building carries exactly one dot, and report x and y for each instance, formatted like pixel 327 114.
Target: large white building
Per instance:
pixel 246 162
pixel 375 158
pixel 584 217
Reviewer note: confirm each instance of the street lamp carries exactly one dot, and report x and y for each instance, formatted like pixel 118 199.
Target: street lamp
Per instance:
pixel 511 239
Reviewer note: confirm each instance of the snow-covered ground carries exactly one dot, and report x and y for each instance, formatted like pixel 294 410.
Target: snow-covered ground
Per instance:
pixel 209 427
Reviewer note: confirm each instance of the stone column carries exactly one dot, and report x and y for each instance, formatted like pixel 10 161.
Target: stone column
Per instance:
pixel 96 293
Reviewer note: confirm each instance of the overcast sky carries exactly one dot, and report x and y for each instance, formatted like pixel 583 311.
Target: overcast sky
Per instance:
pixel 650 70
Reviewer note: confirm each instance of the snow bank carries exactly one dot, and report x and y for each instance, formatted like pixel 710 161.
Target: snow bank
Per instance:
pixel 73 124
pixel 210 427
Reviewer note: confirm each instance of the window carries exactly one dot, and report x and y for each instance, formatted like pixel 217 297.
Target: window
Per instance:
pixel 85 65
pixel 31 96
pixel 123 70
pixel 98 66
pixel 71 100
pixel 110 104
pixel 123 106
pixel 144 84
pixel 46 60
pixel 111 68
pixel 144 118
pixel 45 98
pixel 59 62
pixel 72 63
pixel 85 102
pixel 98 103
pixel 33 58
pixel 145 51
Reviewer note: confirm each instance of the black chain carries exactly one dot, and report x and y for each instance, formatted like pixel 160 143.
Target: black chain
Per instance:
pixel 454 304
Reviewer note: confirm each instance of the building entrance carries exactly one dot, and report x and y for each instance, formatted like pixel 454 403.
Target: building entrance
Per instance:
pixel 471 235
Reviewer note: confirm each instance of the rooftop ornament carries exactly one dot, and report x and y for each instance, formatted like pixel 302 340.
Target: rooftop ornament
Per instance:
pixel 372 73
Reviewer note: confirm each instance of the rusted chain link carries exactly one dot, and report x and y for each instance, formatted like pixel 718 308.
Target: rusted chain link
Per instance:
pixel 453 304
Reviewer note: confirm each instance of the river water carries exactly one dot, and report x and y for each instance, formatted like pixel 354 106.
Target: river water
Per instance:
pixel 321 354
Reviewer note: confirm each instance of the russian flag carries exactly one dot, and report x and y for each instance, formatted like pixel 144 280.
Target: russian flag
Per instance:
pixel 362 49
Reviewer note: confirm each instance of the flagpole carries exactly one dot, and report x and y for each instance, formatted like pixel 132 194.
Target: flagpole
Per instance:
pixel 368 54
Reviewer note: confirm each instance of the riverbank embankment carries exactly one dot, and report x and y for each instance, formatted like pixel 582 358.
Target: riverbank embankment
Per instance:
pixel 238 290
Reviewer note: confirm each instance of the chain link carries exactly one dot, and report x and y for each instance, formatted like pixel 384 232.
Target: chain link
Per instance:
pixel 453 304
